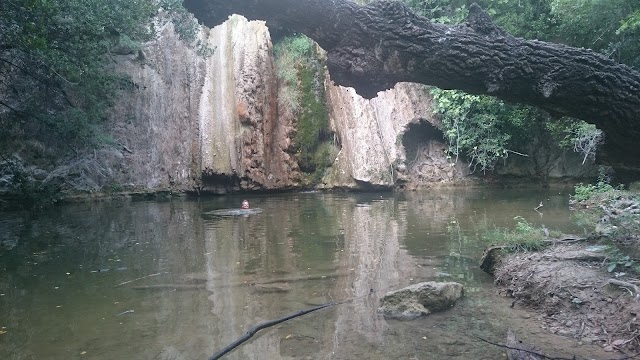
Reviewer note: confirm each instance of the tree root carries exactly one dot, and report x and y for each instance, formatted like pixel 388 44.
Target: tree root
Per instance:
pixel 626 285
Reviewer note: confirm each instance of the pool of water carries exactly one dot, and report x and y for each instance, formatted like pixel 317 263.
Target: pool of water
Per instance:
pixel 168 280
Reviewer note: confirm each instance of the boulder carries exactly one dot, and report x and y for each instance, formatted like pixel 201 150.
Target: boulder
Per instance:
pixel 420 300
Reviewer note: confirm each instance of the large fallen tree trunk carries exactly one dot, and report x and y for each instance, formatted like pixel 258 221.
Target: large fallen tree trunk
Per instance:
pixel 371 48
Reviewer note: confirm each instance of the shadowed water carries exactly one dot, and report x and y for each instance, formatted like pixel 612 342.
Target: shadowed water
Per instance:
pixel 169 280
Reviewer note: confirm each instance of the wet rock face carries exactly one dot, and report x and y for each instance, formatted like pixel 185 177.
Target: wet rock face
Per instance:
pixel 154 123
pixel 242 136
pixel 420 300
pixel 201 123
pixel 378 136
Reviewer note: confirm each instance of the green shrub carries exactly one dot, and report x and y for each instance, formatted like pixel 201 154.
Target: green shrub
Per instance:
pixel 618 260
pixel 584 192
pixel 524 237
pixel 301 96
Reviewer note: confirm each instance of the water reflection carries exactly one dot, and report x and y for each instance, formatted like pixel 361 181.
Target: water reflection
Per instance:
pixel 154 280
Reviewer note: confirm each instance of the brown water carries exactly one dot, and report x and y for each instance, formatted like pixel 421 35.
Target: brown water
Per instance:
pixel 160 280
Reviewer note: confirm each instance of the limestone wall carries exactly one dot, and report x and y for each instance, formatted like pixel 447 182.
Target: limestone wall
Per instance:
pixel 196 123
pixel 372 135
pixel 213 124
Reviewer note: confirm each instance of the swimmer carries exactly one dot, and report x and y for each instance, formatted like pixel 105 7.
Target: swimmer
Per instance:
pixel 245 204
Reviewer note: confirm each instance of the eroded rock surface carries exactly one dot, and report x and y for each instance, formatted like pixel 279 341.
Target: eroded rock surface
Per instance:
pixel 420 300
pixel 571 289
pixel 205 123
pixel 389 140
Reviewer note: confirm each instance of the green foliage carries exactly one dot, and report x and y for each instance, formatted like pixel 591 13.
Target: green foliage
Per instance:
pixel 525 18
pixel 482 128
pixel 25 189
pixel 485 129
pixel 525 237
pixel 115 188
pixel 577 135
pixel 631 23
pixel 440 11
pixel 312 122
pixel 291 53
pixel 608 211
pixel 301 95
pixel 54 55
pixel 618 260
pixel 185 24
pixel 607 26
pixel 584 192
pixel 610 27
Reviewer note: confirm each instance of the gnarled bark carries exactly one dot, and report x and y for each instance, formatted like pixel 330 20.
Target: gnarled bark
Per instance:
pixel 371 48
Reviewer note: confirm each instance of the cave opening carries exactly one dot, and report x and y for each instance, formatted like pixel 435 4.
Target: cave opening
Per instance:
pixel 220 183
pixel 417 137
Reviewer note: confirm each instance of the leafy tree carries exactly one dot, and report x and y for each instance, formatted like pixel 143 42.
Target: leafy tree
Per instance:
pixel 610 27
pixel 55 83
pixel 579 136
pixel 485 129
pixel 482 128
pixel 440 11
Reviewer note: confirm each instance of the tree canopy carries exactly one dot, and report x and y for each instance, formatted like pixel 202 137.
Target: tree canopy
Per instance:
pixel 55 79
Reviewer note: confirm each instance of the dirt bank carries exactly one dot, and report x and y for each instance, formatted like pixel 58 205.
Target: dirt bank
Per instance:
pixel 574 295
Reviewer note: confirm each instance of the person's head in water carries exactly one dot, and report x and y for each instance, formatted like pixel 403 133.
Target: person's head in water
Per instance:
pixel 245 204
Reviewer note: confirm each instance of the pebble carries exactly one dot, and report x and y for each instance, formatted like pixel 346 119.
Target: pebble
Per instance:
pixel 564 332
pixel 608 348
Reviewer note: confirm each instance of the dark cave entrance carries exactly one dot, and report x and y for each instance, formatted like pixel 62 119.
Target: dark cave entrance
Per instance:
pixel 416 138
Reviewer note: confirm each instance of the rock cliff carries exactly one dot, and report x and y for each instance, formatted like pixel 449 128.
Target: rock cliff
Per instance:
pixel 242 139
pixel 202 123
pixel 156 123
pixel 214 124
pixel 387 141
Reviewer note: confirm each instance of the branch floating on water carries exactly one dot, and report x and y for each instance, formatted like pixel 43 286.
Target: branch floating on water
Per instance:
pixel 140 278
pixel 263 325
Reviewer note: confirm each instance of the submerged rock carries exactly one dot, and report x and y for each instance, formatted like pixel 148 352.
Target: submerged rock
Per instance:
pixel 420 300
pixel 233 212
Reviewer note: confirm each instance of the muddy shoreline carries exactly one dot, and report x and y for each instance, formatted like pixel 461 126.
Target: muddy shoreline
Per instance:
pixel 568 288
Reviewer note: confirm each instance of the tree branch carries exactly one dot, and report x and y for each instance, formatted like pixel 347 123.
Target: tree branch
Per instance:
pixel 263 325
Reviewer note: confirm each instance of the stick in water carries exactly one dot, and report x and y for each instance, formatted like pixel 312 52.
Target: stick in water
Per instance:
pixel 140 278
pixel 264 325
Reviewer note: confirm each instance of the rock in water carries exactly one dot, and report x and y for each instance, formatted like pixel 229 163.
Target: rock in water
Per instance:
pixel 420 300
pixel 233 212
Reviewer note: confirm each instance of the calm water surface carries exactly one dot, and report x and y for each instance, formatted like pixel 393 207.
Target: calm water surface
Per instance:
pixel 163 280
